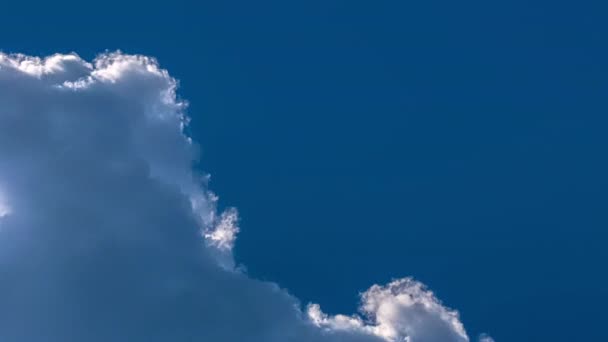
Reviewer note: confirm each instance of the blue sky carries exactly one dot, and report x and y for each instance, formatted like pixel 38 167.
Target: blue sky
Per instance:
pixel 460 143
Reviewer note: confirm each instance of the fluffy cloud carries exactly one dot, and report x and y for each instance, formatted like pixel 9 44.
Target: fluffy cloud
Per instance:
pixel 402 310
pixel 108 234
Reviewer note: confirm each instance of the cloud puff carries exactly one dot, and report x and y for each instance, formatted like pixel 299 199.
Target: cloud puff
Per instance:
pixel 402 310
pixel 485 338
pixel 108 234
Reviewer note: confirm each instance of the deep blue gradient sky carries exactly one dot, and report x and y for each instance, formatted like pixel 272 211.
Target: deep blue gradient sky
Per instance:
pixel 462 143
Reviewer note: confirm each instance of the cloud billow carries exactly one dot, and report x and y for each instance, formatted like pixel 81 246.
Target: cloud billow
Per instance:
pixel 108 234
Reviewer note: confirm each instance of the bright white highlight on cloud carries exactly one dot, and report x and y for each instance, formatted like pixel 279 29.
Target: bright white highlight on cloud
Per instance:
pixel 4 208
pixel 108 234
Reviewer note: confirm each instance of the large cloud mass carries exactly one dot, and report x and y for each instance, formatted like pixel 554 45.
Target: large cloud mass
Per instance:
pixel 107 234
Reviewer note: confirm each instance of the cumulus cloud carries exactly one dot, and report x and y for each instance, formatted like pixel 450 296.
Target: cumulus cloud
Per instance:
pixel 108 234
pixel 402 310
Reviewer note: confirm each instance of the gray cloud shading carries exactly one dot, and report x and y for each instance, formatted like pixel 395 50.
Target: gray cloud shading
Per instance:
pixel 108 234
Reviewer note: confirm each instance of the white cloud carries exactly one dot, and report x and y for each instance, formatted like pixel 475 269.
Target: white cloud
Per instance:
pixel 111 236
pixel 403 310
pixel 485 338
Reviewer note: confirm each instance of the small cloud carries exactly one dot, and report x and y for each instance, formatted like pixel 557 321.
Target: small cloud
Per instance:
pixel 403 310
pixel 485 338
